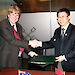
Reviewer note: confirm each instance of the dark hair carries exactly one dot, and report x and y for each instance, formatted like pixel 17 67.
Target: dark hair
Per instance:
pixel 64 10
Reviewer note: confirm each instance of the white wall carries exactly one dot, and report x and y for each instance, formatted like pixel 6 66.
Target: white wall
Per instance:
pixel 41 21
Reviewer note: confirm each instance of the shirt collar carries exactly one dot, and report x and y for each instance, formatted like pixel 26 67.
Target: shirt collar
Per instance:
pixel 12 24
pixel 65 27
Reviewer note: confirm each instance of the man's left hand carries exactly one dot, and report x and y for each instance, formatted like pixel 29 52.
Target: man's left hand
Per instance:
pixel 31 53
pixel 60 58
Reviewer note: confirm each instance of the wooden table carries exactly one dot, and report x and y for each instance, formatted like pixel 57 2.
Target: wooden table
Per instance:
pixel 70 73
pixel 34 72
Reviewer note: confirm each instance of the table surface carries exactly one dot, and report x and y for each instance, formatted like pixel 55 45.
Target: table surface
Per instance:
pixel 34 72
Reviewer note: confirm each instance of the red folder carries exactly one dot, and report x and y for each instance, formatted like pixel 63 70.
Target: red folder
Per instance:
pixel 59 72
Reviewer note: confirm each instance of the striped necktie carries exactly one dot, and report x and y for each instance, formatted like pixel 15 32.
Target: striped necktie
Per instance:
pixel 17 37
pixel 62 32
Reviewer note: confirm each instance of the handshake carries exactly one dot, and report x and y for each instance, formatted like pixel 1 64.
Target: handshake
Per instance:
pixel 35 43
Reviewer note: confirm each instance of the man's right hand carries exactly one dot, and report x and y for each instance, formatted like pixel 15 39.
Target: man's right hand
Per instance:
pixel 34 43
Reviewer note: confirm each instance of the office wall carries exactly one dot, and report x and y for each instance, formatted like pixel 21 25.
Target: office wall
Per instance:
pixel 40 21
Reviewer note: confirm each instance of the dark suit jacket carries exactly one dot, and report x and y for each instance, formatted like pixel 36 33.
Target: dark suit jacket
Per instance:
pixel 9 54
pixel 65 47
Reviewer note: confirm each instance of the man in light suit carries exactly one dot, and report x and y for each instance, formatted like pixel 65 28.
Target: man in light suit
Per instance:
pixel 64 44
pixel 13 45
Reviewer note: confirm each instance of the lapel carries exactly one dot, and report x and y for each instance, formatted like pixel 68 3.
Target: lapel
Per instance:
pixel 9 26
pixel 59 33
pixel 18 28
pixel 68 31
pixel 58 37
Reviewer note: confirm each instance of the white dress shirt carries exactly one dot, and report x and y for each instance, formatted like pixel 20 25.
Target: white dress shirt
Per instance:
pixel 14 26
pixel 65 27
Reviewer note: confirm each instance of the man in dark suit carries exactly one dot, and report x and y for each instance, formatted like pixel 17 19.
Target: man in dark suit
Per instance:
pixel 14 44
pixel 64 44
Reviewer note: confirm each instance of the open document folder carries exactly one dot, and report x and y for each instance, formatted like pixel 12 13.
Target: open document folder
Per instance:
pixel 42 60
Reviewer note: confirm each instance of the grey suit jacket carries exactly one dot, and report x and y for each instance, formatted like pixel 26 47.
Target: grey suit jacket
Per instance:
pixel 10 46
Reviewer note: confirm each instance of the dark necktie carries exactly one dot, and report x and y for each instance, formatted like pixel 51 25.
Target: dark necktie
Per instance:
pixel 62 40
pixel 62 32
pixel 17 37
